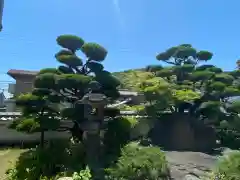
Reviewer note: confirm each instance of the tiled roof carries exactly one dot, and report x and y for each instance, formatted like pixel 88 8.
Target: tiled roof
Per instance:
pixel 21 72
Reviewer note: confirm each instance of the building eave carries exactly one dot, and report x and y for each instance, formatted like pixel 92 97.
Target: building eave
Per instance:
pixel 14 73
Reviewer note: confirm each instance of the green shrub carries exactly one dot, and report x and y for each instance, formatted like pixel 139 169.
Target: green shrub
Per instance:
pixel 137 108
pixel 215 176
pixel 137 162
pixel 57 157
pixel 82 175
pixel 228 167
pixel 117 136
pixel 24 124
pixel 228 133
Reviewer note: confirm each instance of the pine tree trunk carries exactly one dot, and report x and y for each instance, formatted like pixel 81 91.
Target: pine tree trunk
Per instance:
pixel 42 138
pixel 92 147
pixel 92 143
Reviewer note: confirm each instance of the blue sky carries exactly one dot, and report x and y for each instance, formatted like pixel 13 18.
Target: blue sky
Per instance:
pixel 133 31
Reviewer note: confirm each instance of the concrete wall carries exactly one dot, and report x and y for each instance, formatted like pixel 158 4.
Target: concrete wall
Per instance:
pixel 24 84
pixel 11 135
pixel 182 132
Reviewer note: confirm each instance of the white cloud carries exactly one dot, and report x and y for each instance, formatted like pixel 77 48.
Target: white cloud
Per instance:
pixel 118 12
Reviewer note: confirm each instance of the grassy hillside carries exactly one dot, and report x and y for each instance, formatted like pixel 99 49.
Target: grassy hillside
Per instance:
pixel 130 79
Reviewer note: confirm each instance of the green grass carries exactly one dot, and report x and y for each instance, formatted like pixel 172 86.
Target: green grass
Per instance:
pixel 7 158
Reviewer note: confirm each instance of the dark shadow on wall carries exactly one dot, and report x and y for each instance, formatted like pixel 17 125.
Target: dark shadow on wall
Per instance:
pixel 180 132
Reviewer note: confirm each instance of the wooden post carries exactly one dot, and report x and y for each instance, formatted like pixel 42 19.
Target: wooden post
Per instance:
pixel 1 13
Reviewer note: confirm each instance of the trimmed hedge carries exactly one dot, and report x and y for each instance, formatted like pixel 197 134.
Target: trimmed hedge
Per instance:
pixel 138 162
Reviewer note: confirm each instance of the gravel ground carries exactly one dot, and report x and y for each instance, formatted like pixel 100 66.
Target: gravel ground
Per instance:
pixel 189 165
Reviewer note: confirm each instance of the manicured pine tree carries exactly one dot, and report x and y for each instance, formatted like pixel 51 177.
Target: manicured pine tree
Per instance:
pixel 58 92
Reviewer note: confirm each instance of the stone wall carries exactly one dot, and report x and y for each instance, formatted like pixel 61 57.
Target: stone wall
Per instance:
pixel 171 131
pixel 182 132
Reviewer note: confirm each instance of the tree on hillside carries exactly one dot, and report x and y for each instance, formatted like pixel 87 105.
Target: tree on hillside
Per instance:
pixel 238 64
pixel 157 94
pixel 153 68
pixel 131 79
pixel 58 92
pixel 205 91
pixel 194 84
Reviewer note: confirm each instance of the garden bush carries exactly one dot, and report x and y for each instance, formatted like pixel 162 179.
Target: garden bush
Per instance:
pixel 84 174
pixel 116 137
pixel 56 158
pixel 137 163
pixel 28 125
pixel 228 167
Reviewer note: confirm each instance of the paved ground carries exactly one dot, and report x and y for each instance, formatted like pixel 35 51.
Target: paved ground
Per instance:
pixel 189 165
